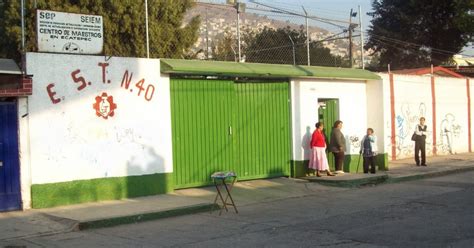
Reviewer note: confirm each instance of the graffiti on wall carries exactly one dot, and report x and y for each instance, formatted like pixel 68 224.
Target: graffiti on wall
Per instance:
pixel 405 121
pixel 450 131
pixel 354 144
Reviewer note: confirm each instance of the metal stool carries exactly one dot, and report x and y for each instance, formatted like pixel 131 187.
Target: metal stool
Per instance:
pixel 219 180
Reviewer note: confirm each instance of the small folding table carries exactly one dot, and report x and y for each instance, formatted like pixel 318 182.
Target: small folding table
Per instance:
pixel 224 182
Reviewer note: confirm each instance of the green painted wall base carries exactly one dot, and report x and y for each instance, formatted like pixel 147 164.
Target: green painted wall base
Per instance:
pixel 80 191
pixel 298 168
pixel 351 164
pixel 354 163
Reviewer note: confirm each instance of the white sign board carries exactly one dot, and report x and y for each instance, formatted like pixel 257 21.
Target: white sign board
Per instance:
pixel 61 32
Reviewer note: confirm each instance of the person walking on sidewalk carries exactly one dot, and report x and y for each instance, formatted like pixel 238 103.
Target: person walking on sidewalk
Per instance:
pixel 368 149
pixel 318 160
pixel 337 145
pixel 420 142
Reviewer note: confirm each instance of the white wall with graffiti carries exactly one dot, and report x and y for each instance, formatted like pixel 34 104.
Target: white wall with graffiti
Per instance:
pixel 451 115
pixel 414 99
pixel 96 117
pixel 305 97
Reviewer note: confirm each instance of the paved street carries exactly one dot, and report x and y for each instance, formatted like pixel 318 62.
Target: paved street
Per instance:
pixel 437 212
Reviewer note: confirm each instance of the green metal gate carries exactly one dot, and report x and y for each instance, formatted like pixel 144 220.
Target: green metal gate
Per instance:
pixel 328 114
pixel 261 121
pixel 222 125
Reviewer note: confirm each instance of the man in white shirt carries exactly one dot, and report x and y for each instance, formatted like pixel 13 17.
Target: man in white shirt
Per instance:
pixel 420 142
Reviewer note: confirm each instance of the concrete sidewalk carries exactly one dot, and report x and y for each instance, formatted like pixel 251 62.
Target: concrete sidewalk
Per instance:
pixel 38 222
pixel 17 225
pixel 41 222
pixel 402 170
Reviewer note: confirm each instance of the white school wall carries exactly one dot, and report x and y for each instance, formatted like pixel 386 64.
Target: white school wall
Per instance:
pixel 24 151
pixel 67 140
pixel 413 99
pixel 385 138
pixel 305 94
pixel 452 116
pixel 378 101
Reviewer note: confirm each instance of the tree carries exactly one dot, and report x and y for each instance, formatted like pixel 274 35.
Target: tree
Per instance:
pixel 275 46
pixel 224 49
pixel 124 25
pixel 409 33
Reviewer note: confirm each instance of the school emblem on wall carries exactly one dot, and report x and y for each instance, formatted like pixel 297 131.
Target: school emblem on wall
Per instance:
pixel 104 106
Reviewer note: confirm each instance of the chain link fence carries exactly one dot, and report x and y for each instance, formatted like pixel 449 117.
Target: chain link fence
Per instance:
pixel 269 36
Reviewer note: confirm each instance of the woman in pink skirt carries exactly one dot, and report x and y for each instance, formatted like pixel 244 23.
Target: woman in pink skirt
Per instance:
pixel 318 160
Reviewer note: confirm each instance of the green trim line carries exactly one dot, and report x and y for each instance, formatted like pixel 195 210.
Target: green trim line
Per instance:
pixel 114 188
pixel 351 162
pixel 300 168
pixel 121 220
pixel 221 68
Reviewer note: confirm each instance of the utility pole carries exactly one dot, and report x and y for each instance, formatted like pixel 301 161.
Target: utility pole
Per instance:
pixel 362 58
pixel 350 40
pixel 240 7
pixel 307 35
pixel 238 31
pixel 207 36
pixel 23 26
pixel 146 30
pixel 294 52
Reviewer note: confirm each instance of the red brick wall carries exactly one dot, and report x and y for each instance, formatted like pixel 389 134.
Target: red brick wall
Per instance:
pixel 25 89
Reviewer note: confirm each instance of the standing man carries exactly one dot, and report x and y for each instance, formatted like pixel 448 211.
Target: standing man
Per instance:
pixel 337 145
pixel 420 142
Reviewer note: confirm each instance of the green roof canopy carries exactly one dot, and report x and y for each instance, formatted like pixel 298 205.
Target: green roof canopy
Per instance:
pixel 219 68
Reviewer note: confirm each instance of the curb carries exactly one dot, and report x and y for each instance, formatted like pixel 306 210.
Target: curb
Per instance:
pixel 388 179
pixel 428 175
pixel 75 225
pixel 137 218
pixel 351 183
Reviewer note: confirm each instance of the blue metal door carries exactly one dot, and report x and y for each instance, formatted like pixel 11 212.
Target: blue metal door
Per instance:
pixel 9 164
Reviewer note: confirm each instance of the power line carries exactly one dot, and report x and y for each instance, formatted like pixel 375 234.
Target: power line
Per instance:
pixel 411 44
pixel 281 10
pixel 412 50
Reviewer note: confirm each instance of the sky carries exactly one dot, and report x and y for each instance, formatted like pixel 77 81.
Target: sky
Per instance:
pixel 336 9
pixel 332 9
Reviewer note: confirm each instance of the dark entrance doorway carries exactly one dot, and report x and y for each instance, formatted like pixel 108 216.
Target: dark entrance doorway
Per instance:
pixel 328 112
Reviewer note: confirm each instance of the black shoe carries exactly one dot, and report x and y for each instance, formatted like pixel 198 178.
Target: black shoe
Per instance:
pixel 423 165
pixel 417 164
